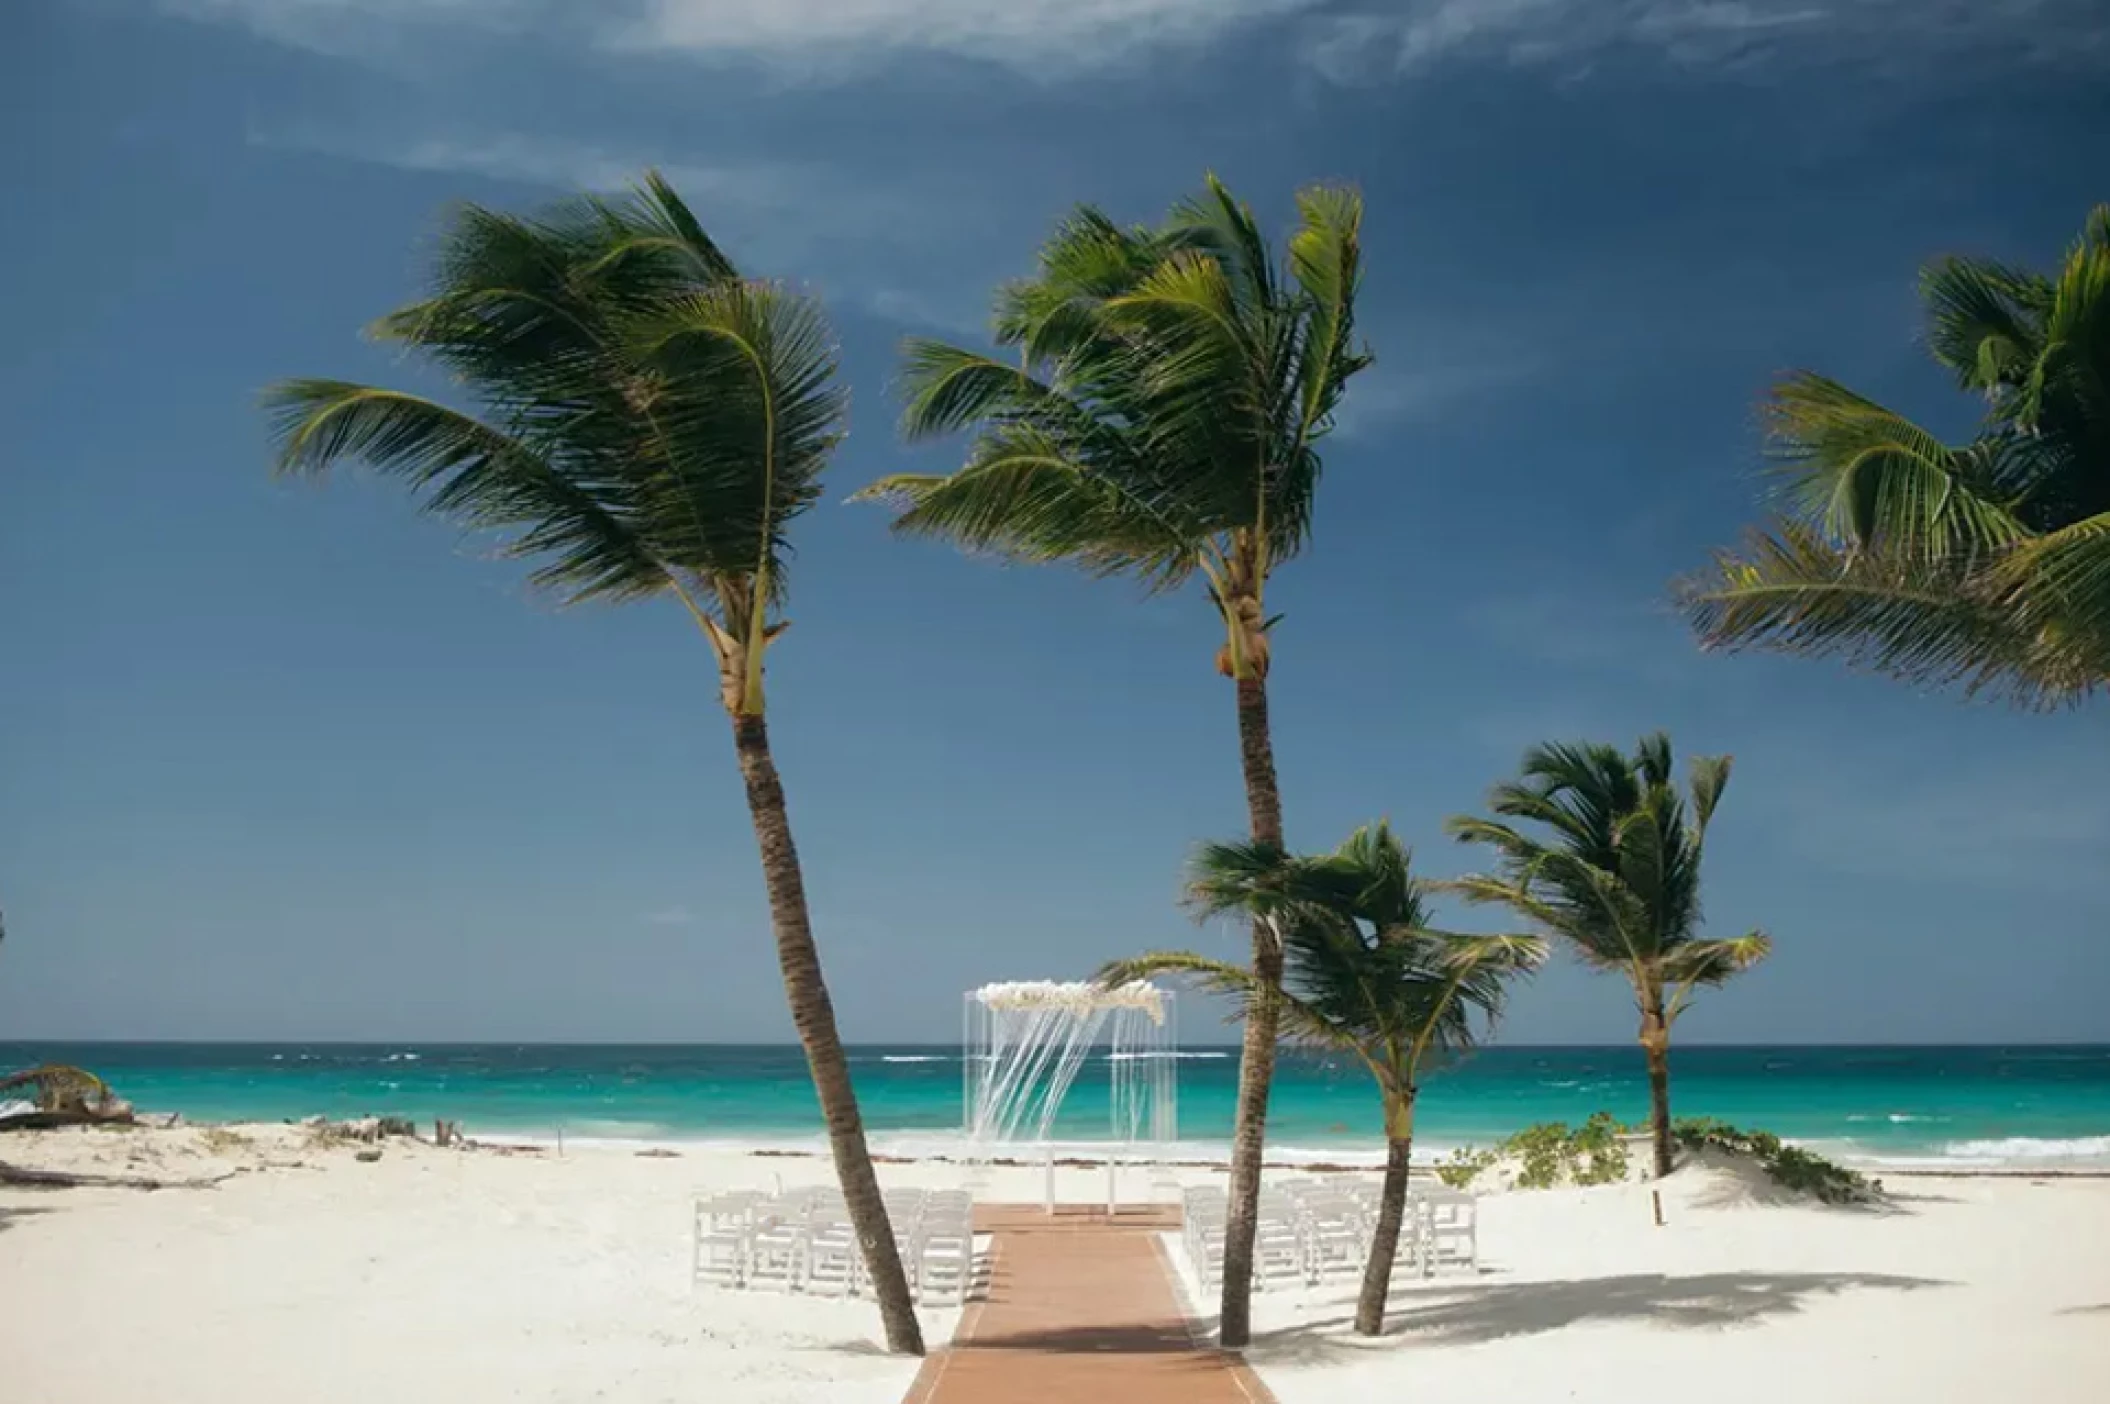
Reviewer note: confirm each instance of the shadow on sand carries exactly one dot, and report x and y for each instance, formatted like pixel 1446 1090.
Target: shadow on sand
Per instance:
pixel 10 1213
pixel 1487 1313
pixel 1755 1190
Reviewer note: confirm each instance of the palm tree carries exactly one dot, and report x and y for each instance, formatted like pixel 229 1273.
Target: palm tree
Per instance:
pixel 1616 877
pixel 652 422
pixel 1161 419
pixel 1363 973
pixel 1985 564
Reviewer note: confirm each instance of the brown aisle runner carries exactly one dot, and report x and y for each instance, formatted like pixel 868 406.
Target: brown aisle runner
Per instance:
pixel 1079 1308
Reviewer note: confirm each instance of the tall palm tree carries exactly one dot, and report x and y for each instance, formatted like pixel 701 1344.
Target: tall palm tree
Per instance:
pixel 1363 973
pixel 1161 418
pixel 651 424
pixel 1985 563
pixel 1614 873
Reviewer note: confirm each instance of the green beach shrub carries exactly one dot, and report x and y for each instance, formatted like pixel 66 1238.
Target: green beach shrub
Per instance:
pixel 1791 1167
pixel 1602 1153
pixel 1551 1154
pixel 1545 1153
pixel 1463 1166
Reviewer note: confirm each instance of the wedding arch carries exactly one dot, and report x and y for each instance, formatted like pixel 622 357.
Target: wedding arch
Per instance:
pixel 1025 1044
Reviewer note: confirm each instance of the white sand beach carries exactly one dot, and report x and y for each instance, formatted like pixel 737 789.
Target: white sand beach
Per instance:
pixel 474 1274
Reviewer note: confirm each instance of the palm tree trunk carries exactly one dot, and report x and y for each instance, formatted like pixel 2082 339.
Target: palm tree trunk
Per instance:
pixel 1256 1067
pixel 1655 1042
pixel 1391 1213
pixel 814 1015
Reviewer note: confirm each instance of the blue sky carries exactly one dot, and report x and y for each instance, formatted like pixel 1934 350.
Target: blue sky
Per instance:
pixel 286 763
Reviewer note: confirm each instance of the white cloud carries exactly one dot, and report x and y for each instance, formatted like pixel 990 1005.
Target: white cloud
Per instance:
pixel 856 238
pixel 1397 392
pixel 1377 42
pixel 798 213
pixel 365 28
pixel 963 314
pixel 807 37
pixel 1346 40
pixel 670 916
pixel 1029 35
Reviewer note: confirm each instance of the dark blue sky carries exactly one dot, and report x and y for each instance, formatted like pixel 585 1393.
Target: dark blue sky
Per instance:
pixel 284 763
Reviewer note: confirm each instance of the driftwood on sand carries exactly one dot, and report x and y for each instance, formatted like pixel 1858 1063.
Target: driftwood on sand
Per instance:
pixel 66 1179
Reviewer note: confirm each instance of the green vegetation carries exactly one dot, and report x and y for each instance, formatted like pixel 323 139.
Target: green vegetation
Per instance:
pixel 1363 973
pixel 651 424
pixel 1465 1165
pixel 1616 878
pixel 1791 1167
pixel 1159 416
pixel 1551 1154
pixel 1986 563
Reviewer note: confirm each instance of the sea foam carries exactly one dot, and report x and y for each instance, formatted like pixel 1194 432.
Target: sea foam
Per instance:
pixel 2031 1148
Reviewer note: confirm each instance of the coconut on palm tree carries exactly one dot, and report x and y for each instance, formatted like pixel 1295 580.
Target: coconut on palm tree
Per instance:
pixel 650 423
pixel 1363 974
pixel 1159 416
pixel 1986 563
pixel 1610 867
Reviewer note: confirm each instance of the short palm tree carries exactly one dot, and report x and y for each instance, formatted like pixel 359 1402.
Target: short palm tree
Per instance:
pixel 1363 973
pixel 1161 419
pixel 651 424
pixel 1614 874
pixel 1985 564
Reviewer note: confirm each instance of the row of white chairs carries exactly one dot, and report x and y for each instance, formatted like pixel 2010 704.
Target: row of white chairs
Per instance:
pixel 802 1240
pixel 1312 1229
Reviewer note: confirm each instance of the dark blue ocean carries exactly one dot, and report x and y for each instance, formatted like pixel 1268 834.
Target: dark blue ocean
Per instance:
pixel 1954 1106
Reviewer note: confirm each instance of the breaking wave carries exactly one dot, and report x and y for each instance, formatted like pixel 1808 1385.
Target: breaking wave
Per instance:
pixel 2031 1148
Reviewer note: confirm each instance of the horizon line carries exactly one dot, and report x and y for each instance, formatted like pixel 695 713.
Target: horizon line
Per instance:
pixel 18 1041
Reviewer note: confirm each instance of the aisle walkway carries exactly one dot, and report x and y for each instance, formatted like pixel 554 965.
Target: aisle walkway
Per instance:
pixel 1079 1309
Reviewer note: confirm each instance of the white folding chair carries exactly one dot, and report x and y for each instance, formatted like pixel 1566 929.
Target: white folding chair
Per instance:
pixel 1278 1250
pixel 1335 1238
pixel 945 1265
pixel 1450 1231
pixel 777 1253
pixel 834 1257
pixel 719 1245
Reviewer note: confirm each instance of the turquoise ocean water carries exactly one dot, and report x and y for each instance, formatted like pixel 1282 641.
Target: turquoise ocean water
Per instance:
pixel 1949 1106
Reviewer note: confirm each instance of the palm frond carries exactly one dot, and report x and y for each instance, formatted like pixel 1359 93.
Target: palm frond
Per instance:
pixel 1021 495
pixel 1925 623
pixel 1876 480
pixel 1483 890
pixel 1326 260
pixel 646 420
pixel 661 211
pixel 1174 368
pixel 737 384
pixel 946 389
pixel 1981 318
pixel 1713 962
pixel 1710 776
pixel 1918 558
pixel 1221 224
pixel 1220 977
pixel 2060 583
pixel 1363 971
pixel 1615 875
pixel 463 470
pixel 1246 878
